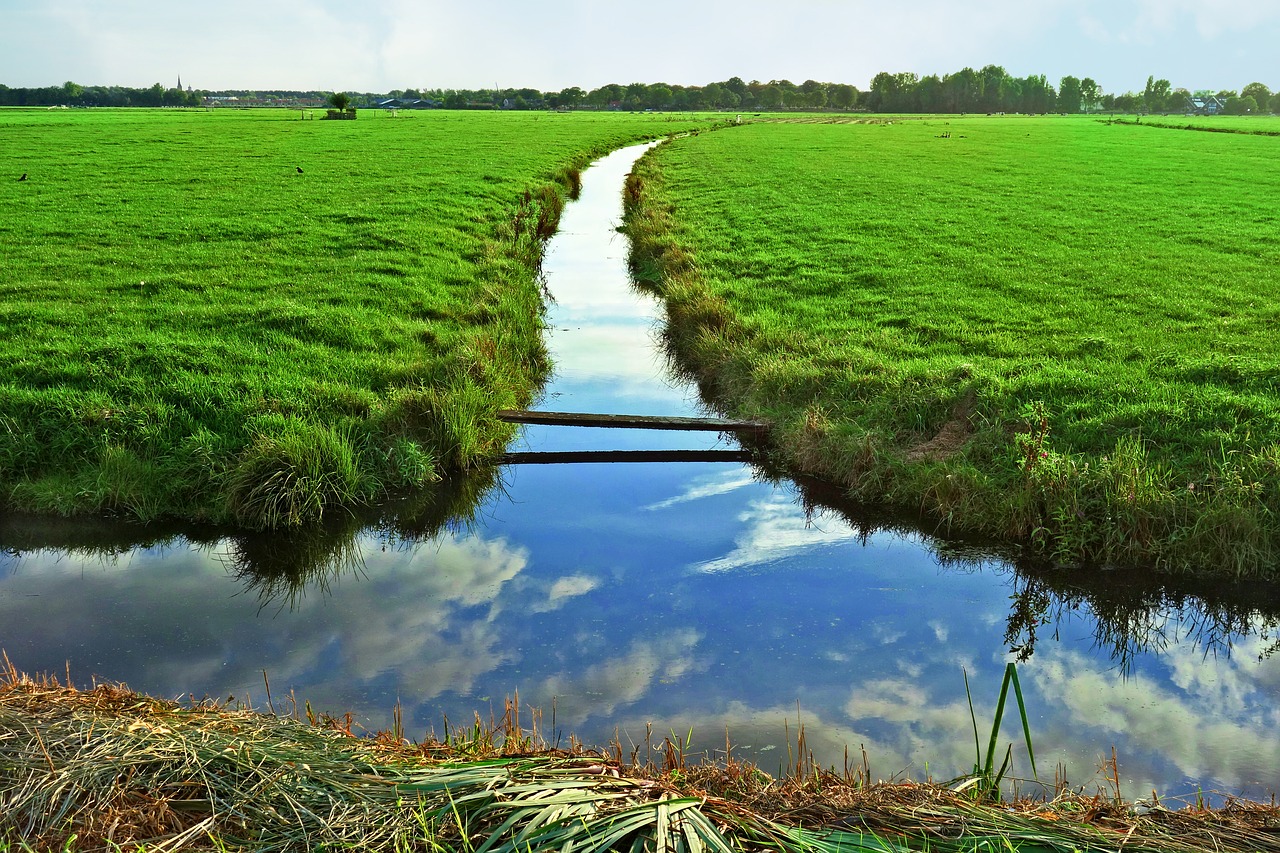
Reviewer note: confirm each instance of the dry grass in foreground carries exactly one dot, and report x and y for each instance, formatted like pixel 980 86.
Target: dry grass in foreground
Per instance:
pixel 109 769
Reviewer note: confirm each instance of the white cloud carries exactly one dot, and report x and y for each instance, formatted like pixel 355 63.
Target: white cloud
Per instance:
pixel 719 483
pixel 774 527
pixel 1229 732
pixel 385 44
pixel 565 589
pixel 617 682
pixel 409 611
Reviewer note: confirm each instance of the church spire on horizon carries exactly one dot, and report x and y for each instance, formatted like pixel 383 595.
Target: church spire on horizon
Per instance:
pixel 179 82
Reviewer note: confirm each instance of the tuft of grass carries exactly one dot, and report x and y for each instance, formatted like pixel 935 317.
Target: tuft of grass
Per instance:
pixel 294 474
pixel 986 779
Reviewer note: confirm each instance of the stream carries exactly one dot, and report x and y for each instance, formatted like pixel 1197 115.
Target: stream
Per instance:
pixel 704 601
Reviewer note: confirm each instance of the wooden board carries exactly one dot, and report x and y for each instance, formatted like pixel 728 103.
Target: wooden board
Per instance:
pixel 582 419
pixel 559 457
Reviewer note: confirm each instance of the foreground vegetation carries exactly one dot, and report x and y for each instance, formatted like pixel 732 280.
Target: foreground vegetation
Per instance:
pixel 246 317
pixel 109 769
pixel 1054 330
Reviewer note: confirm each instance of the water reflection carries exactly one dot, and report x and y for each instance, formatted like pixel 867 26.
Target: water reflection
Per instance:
pixel 697 595
pixel 1133 614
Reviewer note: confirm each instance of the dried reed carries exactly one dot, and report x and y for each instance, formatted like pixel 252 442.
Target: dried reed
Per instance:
pixel 109 769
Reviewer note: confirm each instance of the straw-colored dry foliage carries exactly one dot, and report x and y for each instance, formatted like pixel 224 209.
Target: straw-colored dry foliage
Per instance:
pixel 109 769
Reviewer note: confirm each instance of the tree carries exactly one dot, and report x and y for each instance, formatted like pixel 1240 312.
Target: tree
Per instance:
pixel 1155 97
pixel 1260 93
pixel 815 94
pixel 1031 95
pixel 1070 95
pixel 340 100
pixel 962 91
pixel 992 82
pixel 908 92
pixel 719 96
pixel 1274 103
pixel 843 96
pixel 683 97
pixel 894 93
pixel 884 88
pixel 606 95
pixel 929 94
pixel 1089 94
pixel 657 96
pixel 790 92
pixel 1241 106
pixel 737 86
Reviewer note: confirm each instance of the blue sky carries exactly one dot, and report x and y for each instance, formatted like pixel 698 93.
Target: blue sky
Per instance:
pixel 378 45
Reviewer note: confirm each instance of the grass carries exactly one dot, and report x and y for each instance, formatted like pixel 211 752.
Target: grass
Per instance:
pixel 246 317
pixel 986 778
pixel 1262 125
pixel 109 769
pixel 1054 331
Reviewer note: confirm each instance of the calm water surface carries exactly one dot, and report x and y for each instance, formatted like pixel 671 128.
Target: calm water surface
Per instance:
pixel 692 595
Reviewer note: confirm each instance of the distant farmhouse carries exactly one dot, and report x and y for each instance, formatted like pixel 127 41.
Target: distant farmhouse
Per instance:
pixel 1206 106
pixel 409 104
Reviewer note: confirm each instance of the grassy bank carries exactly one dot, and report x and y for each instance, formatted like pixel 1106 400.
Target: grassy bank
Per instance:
pixel 1262 125
pixel 109 769
pixel 1050 330
pixel 244 316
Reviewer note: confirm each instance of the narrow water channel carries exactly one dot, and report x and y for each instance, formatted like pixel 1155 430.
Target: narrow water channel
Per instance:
pixel 660 598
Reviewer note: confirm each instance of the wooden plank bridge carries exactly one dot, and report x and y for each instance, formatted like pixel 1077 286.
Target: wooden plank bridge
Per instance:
pixel 555 457
pixel 583 419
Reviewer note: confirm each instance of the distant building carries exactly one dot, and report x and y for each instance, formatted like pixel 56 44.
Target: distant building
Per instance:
pixel 408 104
pixel 1206 106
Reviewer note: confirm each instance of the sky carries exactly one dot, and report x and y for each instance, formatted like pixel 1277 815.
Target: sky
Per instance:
pixel 381 45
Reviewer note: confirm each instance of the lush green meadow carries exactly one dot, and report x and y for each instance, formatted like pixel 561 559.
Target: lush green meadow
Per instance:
pixel 1055 330
pixel 247 316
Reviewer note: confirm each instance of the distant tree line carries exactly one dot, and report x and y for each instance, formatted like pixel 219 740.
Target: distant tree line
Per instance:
pixel 991 89
pixel 74 95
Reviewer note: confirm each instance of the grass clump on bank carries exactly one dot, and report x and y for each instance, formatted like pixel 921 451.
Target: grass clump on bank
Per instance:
pixel 1052 330
pixel 241 316
pixel 109 769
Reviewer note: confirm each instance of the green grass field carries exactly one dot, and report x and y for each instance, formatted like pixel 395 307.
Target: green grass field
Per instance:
pixel 1049 329
pixel 245 316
